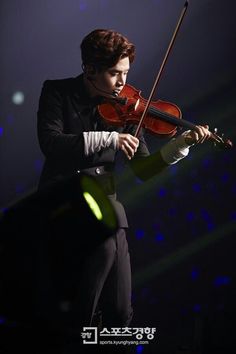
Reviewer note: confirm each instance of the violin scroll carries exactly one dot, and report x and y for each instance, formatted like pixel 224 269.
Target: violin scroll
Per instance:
pixel 220 141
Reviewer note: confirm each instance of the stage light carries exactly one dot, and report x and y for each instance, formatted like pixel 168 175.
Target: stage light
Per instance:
pixel 18 97
pixel 93 205
pixel 98 201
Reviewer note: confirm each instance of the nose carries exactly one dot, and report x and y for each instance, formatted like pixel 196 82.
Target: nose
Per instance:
pixel 121 80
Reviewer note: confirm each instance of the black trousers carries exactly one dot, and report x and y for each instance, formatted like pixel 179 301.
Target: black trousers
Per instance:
pixel 105 284
pixel 100 278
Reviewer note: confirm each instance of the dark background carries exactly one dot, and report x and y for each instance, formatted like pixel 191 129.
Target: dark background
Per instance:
pixel 182 222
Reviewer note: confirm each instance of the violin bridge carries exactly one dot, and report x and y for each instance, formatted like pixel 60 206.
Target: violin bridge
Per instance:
pixel 133 106
pixel 136 104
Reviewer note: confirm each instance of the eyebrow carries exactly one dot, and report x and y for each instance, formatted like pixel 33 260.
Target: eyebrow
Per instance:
pixel 118 71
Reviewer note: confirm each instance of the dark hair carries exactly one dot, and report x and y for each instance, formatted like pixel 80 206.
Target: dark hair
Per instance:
pixel 103 48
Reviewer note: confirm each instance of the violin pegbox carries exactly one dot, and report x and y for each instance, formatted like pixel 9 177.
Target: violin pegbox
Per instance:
pixel 220 141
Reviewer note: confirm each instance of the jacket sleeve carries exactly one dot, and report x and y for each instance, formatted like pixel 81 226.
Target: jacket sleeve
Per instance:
pixel 54 142
pixel 144 164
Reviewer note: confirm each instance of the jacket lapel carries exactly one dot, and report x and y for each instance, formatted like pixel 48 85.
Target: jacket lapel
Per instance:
pixel 80 102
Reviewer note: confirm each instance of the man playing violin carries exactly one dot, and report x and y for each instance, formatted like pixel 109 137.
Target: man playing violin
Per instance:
pixel 73 137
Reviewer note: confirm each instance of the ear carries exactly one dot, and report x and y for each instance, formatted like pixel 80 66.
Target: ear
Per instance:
pixel 90 71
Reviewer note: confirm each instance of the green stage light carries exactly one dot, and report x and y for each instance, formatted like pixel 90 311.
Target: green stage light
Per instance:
pixel 93 205
pixel 98 201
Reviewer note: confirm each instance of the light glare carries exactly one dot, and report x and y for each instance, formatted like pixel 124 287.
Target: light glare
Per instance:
pixel 18 97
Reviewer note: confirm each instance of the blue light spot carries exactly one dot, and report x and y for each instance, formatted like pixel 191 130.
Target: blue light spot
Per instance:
pixel 205 215
pixel 10 120
pixel 206 162
pixel 222 280
pixel 196 187
pixel 38 164
pixel 138 180
pixel 225 177
pixel 172 212
pixel 1 131
pixel 233 215
pixel 173 169
pixel 196 308
pixel 194 273
pixel 83 5
pixel 159 237
pixel 162 192
pixel 139 234
pixel 139 349
pixel 190 216
pixel 4 210
pixel 2 320
pixel 19 188
pixel 210 226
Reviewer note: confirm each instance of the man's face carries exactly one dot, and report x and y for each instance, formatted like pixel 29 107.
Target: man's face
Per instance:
pixel 113 79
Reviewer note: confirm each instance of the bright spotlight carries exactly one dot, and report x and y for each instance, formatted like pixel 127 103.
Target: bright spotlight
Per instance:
pixel 18 98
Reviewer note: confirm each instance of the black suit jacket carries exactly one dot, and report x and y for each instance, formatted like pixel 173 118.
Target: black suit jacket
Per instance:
pixel 66 111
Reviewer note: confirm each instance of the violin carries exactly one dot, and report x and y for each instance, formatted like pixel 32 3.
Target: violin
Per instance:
pixel 159 117
pixel 162 119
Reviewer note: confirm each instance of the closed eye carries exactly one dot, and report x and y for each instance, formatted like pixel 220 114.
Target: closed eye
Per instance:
pixel 114 73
